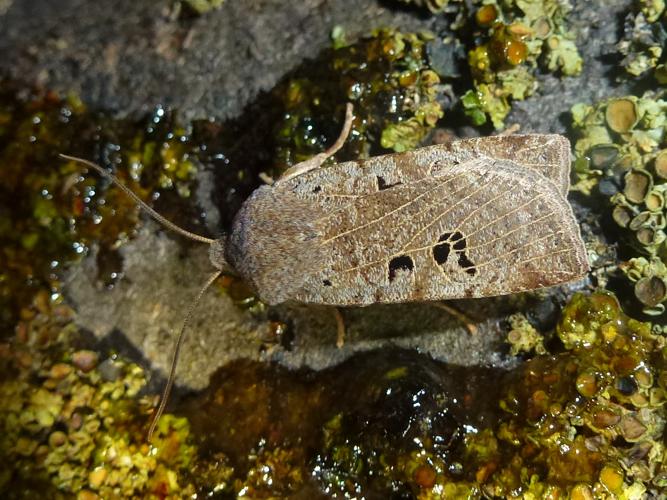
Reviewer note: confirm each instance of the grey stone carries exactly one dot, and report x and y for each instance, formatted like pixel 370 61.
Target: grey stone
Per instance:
pixel 131 55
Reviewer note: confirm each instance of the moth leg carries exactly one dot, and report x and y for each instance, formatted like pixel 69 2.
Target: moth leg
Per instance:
pixel 317 160
pixel 462 317
pixel 340 327
pixel 266 178
pixel 511 130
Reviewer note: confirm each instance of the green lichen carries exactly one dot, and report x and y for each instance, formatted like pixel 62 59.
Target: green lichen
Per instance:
pixel 388 79
pixel 519 37
pixel 572 423
pixel 619 157
pixel 562 55
pixel 203 6
pixel 569 411
pixel 649 278
pixel 273 473
pixel 482 102
pixel 587 420
pixel 524 337
pixel 643 40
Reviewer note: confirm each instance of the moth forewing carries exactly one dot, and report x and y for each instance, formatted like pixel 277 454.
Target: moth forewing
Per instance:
pixel 425 225
pixel 546 154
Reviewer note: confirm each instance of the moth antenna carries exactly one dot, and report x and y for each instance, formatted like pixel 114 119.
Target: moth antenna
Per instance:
pixel 344 133
pixel 177 351
pixel 317 160
pixel 159 218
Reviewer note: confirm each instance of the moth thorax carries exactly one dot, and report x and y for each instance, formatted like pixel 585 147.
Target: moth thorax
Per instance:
pixel 216 254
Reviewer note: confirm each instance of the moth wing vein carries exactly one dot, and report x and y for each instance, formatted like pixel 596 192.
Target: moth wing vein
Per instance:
pixel 506 214
pixel 439 217
pixel 480 207
pixel 518 228
pixel 393 211
pixel 517 249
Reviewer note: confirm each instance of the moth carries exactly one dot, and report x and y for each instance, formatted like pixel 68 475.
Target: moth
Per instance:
pixel 474 218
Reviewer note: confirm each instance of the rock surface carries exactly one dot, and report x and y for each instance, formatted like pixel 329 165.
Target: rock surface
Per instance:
pixel 129 55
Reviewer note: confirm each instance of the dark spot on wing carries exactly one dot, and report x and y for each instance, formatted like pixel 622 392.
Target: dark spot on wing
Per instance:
pixel 457 242
pixel 383 184
pixel 441 252
pixel 403 262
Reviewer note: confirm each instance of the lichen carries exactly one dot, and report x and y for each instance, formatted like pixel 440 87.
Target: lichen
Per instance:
pixel 642 44
pixel 385 75
pixel 511 40
pixel 517 37
pixel 203 6
pixel 583 418
pixel 649 277
pixel 524 337
pixel 620 158
pixel 570 412
pixel 586 418
pixel 564 418
pixel 78 424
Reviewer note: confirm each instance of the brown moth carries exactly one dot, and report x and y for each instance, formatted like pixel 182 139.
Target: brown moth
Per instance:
pixel 473 218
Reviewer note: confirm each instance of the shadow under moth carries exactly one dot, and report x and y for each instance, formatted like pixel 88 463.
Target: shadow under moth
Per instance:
pixel 474 218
